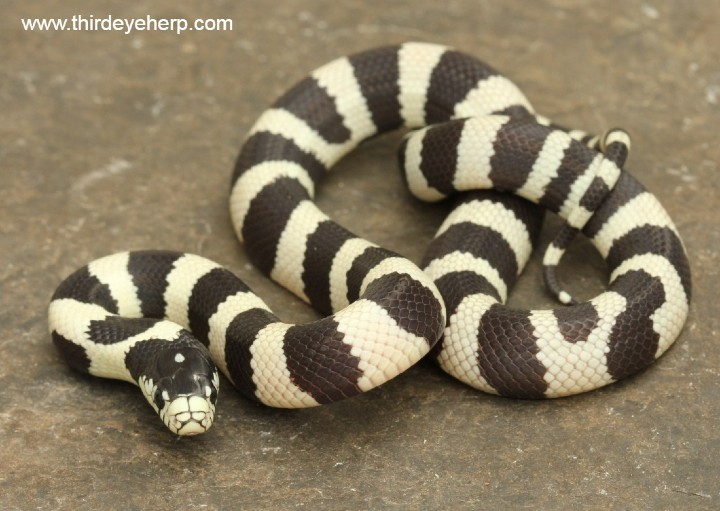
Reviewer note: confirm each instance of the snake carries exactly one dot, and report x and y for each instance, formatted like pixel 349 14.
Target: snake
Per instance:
pixel 170 322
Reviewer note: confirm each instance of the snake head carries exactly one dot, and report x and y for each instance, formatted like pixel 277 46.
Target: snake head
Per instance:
pixel 181 383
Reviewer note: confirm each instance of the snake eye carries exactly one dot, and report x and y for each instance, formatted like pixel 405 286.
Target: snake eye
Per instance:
pixel 158 398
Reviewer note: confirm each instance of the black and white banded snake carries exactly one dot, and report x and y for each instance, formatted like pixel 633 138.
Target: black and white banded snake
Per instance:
pixel 129 315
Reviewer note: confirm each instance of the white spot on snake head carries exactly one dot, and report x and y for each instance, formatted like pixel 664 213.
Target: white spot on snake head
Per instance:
pixel 179 358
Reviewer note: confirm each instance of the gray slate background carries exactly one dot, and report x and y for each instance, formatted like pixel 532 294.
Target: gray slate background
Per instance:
pixel 112 142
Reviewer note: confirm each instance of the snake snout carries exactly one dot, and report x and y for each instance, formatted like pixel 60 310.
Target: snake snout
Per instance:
pixel 189 415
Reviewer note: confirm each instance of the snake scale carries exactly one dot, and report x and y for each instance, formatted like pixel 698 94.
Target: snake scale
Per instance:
pixel 167 321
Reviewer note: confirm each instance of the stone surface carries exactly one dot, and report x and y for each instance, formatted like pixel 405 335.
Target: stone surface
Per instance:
pixel 112 142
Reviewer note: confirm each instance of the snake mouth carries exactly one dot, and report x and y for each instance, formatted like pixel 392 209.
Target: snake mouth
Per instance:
pixel 189 415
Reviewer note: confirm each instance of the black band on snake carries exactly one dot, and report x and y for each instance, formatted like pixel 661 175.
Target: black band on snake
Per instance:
pixel 159 319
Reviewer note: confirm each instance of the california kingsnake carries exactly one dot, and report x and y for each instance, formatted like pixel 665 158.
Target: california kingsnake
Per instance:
pixel 117 316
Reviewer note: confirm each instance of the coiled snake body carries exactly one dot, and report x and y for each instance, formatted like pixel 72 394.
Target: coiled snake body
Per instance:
pixel 129 316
